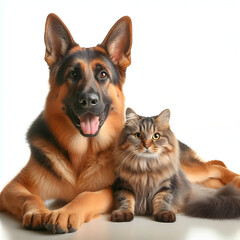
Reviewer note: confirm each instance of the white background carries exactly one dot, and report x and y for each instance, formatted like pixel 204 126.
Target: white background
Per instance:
pixel 185 56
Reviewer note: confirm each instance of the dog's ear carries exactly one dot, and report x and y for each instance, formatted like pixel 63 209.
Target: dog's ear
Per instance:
pixel 118 42
pixel 58 39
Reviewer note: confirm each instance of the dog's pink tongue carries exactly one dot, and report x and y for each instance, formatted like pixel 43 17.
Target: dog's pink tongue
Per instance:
pixel 89 124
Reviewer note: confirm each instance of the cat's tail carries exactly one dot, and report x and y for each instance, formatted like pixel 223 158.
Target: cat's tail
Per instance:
pixel 222 203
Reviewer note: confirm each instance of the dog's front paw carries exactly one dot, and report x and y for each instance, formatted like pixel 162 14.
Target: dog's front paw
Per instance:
pixel 61 221
pixel 121 216
pixel 165 216
pixel 34 220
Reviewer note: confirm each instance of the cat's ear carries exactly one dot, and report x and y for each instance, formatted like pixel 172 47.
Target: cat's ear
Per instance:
pixel 163 118
pixel 131 115
pixel 118 42
pixel 58 39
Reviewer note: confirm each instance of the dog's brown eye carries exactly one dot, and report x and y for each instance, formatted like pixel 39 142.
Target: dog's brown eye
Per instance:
pixel 138 135
pixel 156 136
pixel 74 75
pixel 102 75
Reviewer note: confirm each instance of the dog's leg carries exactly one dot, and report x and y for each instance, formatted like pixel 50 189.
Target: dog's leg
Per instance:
pixel 17 199
pixel 2 207
pixel 202 172
pixel 216 162
pixel 213 183
pixel 236 182
pixel 196 173
pixel 83 208
pixel 221 173
pixel 212 173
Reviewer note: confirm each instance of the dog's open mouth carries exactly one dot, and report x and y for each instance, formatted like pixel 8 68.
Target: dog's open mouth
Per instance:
pixel 88 123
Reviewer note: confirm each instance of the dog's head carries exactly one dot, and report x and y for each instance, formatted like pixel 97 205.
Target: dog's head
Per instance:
pixel 86 83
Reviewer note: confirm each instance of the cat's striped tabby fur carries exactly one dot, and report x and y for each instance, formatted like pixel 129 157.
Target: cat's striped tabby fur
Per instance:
pixel 149 180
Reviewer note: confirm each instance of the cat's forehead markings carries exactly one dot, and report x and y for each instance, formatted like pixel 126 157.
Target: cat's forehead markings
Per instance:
pixel 147 125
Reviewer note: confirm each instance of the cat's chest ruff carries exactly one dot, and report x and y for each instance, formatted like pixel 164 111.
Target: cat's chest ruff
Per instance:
pixel 145 183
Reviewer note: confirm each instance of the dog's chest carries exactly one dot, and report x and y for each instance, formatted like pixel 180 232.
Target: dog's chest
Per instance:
pixel 94 172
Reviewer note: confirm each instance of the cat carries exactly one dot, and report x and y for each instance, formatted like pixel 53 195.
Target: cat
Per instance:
pixel 149 179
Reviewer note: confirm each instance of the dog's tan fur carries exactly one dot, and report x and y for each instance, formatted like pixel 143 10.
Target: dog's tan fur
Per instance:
pixel 84 180
pixel 212 174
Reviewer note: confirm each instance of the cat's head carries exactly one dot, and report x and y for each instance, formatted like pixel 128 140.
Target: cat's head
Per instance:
pixel 148 136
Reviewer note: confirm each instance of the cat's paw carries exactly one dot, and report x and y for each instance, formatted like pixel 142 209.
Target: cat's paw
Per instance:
pixel 122 216
pixel 165 216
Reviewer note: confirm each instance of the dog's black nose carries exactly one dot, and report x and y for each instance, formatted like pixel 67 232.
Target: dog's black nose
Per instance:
pixel 89 100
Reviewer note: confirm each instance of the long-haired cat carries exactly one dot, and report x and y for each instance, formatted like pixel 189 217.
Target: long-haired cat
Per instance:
pixel 149 180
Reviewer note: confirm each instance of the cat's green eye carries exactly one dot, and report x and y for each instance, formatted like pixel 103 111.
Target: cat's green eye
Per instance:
pixel 138 135
pixel 156 136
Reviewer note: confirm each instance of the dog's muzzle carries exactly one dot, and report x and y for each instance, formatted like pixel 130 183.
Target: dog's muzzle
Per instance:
pixel 89 113
pixel 89 122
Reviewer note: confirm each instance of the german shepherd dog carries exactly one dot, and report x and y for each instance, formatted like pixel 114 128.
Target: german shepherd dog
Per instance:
pixel 72 140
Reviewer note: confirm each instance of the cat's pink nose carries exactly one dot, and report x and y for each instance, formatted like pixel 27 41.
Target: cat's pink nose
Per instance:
pixel 147 146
